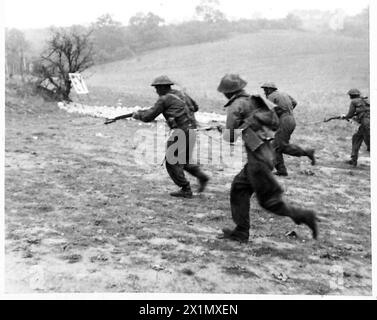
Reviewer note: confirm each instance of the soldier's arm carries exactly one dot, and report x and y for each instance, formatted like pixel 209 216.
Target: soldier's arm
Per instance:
pixel 151 113
pixel 351 111
pixel 233 121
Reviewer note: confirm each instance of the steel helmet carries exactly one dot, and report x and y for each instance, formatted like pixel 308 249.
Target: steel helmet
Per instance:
pixel 231 83
pixel 269 85
pixel 162 81
pixel 354 92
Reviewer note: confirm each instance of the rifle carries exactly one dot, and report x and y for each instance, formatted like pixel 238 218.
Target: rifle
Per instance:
pixel 335 118
pixel 125 116
pixel 218 128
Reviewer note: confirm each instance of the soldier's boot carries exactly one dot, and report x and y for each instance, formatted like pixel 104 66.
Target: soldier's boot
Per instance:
pixel 307 217
pixel 185 192
pixel 203 181
pixel 199 174
pixel 235 235
pixel 352 162
pixel 310 155
pixel 281 169
pixel 282 173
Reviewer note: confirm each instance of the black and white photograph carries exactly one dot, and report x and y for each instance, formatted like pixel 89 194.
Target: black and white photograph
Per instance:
pixel 187 148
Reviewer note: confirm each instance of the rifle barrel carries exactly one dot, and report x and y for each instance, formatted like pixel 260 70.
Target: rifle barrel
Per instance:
pixel 125 116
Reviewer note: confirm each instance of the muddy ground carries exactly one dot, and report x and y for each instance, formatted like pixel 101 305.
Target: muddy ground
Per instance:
pixel 82 216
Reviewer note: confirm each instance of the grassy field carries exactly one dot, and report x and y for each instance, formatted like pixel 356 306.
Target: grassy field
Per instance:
pixel 302 63
pixel 82 216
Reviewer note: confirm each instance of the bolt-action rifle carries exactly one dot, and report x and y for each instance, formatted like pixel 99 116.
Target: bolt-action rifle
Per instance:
pixel 125 116
pixel 335 118
pixel 219 128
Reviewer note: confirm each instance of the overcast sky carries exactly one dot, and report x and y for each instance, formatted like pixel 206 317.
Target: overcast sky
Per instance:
pixel 44 13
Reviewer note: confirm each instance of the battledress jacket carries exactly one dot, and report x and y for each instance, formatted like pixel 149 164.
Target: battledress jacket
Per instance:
pixel 359 109
pixel 175 104
pixel 253 116
pixel 284 102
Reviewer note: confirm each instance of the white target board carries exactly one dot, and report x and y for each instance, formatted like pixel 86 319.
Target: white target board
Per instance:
pixel 78 83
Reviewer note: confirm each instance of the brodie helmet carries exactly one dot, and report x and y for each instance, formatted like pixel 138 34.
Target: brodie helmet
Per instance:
pixel 270 85
pixel 354 92
pixel 231 83
pixel 162 81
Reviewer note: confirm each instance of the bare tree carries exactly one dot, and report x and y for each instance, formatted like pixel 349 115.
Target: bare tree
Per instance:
pixel 68 51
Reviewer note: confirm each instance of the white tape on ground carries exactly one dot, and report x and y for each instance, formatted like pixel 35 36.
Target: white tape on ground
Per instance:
pixel 111 112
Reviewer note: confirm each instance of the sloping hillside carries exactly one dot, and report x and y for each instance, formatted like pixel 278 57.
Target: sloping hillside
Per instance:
pixel 300 62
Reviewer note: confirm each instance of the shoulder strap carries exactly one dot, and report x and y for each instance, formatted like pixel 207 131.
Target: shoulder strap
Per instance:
pixel 235 97
pixel 175 96
pixel 185 106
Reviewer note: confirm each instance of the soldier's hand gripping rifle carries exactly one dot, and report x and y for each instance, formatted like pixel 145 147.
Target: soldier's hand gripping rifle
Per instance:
pixel 219 128
pixel 336 118
pixel 125 116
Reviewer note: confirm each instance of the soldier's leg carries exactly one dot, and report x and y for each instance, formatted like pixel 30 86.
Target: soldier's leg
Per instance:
pixel 177 174
pixel 288 126
pixel 189 166
pixel 240 194
pixel 357 140
pixel 278 144
pixel 366 134
pixel 269 195
pixel 175 171
pixel 294 150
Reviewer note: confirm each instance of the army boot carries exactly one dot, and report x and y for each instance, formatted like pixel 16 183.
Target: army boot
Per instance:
pixel 235 235
pixel 282 173
pixel 203 183
pixel 352 162
pixel 310 155
pixel 281 169
pixel 307 217
pixel 185 192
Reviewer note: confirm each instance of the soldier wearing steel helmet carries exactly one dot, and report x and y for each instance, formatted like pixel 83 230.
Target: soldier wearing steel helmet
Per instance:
pixel 359 111
pixel 178 108
pixel 284 109
pixel 251 114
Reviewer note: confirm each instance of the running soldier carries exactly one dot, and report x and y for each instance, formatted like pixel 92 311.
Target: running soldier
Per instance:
pixel 252 115
pixel 359 111
pixel 284 109
pixel 178 109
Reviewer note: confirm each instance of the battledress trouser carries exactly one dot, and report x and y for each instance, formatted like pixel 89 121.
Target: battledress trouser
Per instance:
pixel 362 134
pixel 180 148
pixel 281 142
pixel 256 177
